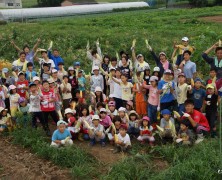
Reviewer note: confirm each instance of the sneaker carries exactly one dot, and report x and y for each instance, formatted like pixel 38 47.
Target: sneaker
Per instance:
pixel 200 138
pixel 92 143
pixel 117 150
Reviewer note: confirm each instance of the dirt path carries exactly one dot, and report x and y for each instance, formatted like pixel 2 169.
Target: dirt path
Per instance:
pixel 18 163
pixel 217 19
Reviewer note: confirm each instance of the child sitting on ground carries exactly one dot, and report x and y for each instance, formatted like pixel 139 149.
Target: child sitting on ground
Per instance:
pixel 115 130
pixel 124 116
pixel 146 131
pixel 185 136
pixel 122 142
pixel 5 119
pixel 96 133
pixel 133 123
pixel 167 126
pixel 112 112
pixel 105 119
pixel 61 136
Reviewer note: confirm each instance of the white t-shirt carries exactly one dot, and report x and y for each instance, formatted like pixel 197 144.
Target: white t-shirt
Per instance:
pixel 116 92
pixel 66 95
pixel 35 103
pixel 50 62
pixel 125 139
pixel 126 91
pixel 111 84
pixel 141 66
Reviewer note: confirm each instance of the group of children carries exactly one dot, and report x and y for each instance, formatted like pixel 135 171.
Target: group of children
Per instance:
pixel 125 99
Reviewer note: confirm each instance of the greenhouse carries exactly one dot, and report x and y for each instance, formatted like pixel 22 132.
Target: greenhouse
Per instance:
pixel 35 13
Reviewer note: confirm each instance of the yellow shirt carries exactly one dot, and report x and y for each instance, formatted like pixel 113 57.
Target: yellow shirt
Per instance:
pixel 183 48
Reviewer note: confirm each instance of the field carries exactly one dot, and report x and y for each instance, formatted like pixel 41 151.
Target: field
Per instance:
pixel 116 32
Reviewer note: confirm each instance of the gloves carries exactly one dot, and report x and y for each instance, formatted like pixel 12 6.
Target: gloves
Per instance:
pixel 179 140
pixel 63 142
pixel 158 108
pixel 60 103
pixel 44 102
pixel 170 84
pixel 67 139
pixel 97 42
pixel 176 114
pixel 186 115
pixel 209 96
pixel 208 103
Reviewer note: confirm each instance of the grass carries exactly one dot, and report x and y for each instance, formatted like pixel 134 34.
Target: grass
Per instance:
pixel 161 27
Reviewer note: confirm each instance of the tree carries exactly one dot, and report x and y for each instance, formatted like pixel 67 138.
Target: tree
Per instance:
pixel 218 2
pixel 49 3
pixel 198 3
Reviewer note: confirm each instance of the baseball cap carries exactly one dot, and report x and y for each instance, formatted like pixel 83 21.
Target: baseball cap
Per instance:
pixel 77 63
pixel 95 117
pixel 70 68
pixel 95 68
pixel 36 78
pixel 146 118
pixel 123 126
pixel 54 71
pixel 139 55
pixel 162 53
pixel 102 110
pixel 210 86
pixel 68 110
pixel 11 87
pixel 156 69
pixel 98 89
pixel 21 73
pixel 165 111
pixel 181 74
pixel 112 103
pixel 167 71
pixel 122 109
pixel 21 100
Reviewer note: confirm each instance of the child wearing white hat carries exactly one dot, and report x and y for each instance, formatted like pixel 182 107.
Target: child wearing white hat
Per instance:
pixel 96 133
pixel 96 79
pixel 61 136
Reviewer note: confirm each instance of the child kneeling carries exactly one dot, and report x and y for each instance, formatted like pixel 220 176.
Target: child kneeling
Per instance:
pixel 122 141
pixel 61 136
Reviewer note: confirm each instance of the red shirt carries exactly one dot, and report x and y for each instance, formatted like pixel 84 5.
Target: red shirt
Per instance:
pixel 21 91
pixel 46 96
pixel 199 118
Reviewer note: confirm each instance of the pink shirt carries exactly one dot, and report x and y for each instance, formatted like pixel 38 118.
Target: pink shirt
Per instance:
pixel 106 122
pixel 153 95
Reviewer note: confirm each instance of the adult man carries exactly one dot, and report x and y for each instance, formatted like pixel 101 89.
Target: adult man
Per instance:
pixel 188 67
pixel 55 57
pixel 215 62
pixel 21 63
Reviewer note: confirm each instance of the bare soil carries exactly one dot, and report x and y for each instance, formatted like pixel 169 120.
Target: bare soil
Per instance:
pixel 19 163
pixel 217 19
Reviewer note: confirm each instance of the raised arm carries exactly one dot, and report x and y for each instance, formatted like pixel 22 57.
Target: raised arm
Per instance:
pixel 15 46
pixel 36 45
pixel 133 50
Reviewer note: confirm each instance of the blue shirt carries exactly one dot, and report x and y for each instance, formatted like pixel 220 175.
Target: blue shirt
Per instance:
pixel 168 96
pixel 56 60
pixel 57 135
pixel 189 69
pixel 198 97
pixel 29 75
pixel 81 82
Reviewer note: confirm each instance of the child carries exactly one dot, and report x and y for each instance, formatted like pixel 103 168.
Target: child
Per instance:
pixel 156 72
pixel 140 96
pixel 211 101
pixel 81 82
pixel 182 90
pixel 153 99
pixel 35 108
pixel 166 89
pixel 133 123
pixel 13 98
pixel 213 76
pixel 114 130
pixel 185 135
pixel 183 47
pixel 48 102
pixel 117 93
pixel 126 88
pixel 105 120
pixel 167 124
pixel 5 119
pixel 123 142
pixel 3 96
pixel 85 118
pixel 46 73
pixel 22 85
pixel 198 95
pixel 123 115
pixel 65 88
pixel 61 72
pixel 61 136
pixel 112 109
pixel 146 79
pixel 72 127
pixel 96 133
pixel 30 73
pixel 99 96
pixel 23 108
pixel 125 69
pixel 73 81
pixel 55 76
pixel 129 107
pixel 96 79
pixel 146 131
pixel 110 82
